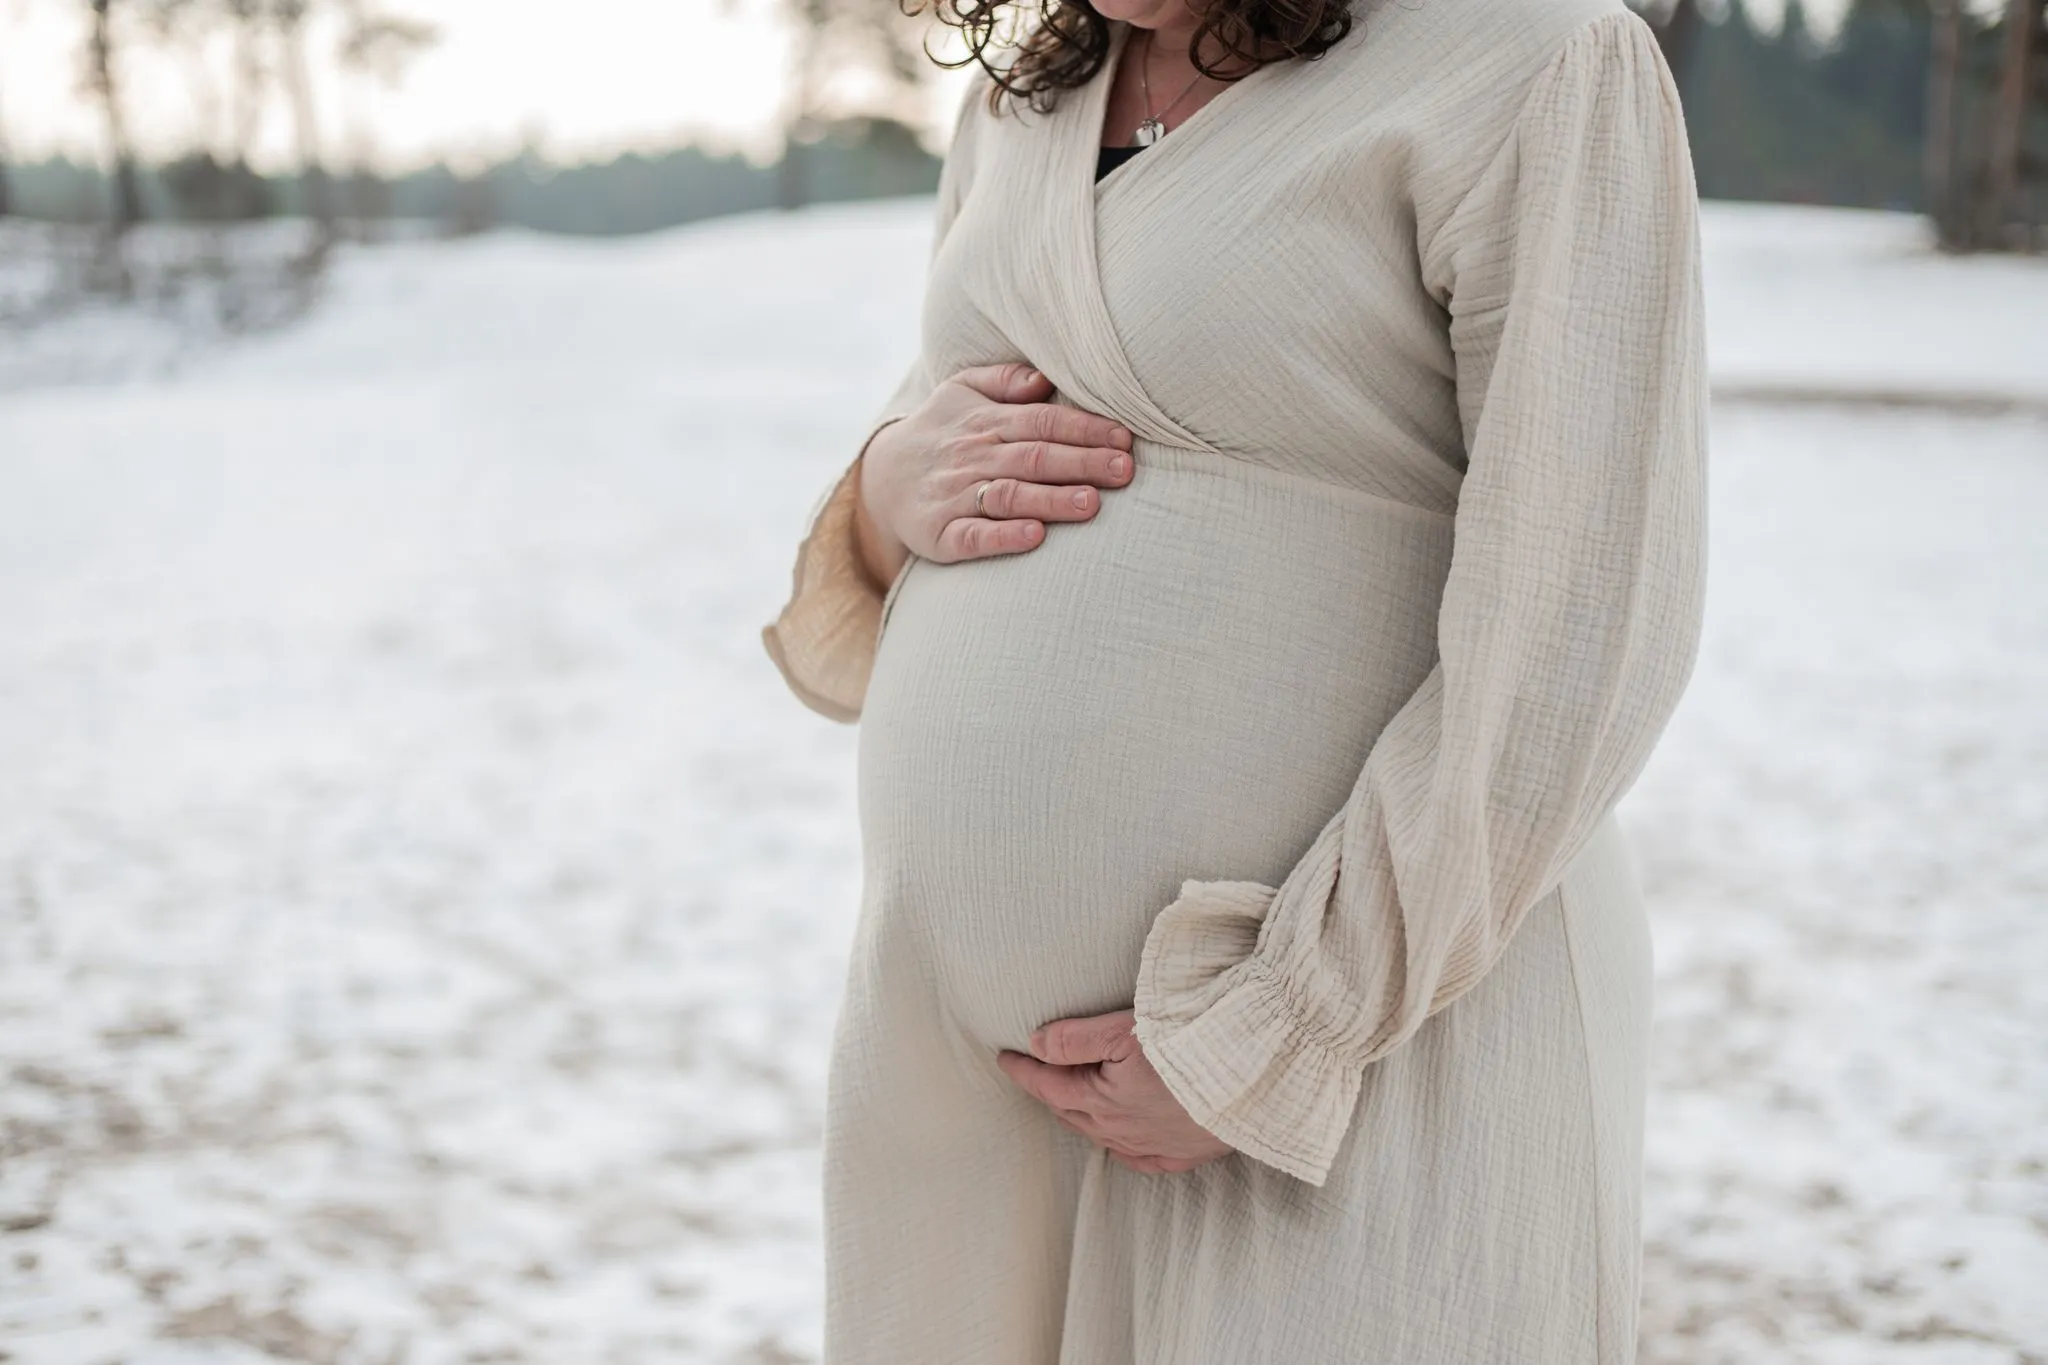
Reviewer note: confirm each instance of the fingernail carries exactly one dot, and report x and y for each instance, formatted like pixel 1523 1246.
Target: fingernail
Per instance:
pixel 1119 466
pixel 1080 499
pixel 1038 1044
pixel 1120 434
pixel 1032 376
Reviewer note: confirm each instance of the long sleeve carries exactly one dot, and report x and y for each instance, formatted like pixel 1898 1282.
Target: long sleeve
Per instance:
pixel 824 638
pixel 1567 631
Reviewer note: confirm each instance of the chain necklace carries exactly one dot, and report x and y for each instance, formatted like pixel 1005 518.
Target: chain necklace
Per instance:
pixel 1153 126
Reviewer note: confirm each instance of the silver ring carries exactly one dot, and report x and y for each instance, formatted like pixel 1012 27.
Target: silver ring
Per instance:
pixel 979 493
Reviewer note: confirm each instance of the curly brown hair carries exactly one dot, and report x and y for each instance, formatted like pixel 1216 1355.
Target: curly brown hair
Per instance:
pixel 1070 41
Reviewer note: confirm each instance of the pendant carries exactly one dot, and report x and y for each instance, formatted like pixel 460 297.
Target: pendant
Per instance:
pixel 1149 132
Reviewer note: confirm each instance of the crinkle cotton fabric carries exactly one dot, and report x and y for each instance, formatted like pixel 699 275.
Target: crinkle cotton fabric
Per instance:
pixel 1308 746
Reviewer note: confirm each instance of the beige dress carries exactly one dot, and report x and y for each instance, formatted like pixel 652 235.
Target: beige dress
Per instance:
pixel 1308 745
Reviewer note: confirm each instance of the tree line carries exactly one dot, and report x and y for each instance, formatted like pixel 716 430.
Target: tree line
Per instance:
pixel 1909 104
pixel 852 158
pixel 1895 109
pixel 267 46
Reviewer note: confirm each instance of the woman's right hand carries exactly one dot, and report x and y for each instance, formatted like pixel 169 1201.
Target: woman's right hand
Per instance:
pixel 989 425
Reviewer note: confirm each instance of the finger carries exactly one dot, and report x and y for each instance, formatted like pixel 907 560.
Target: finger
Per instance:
pixel 1144 1165
pixel 1058 1086
pixel 1083 1042
pixel 1054 462
pixel 1084 1125
pixel 980 538
pixel 1063 424
pixel 1011 383
pixel 1081 1124
pixel 1157 1165
pixel 1010 498
pixel 1181 1165
pixel 1077 1123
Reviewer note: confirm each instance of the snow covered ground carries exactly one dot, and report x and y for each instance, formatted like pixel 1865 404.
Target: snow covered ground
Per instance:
pixel 421 908
pixel 1811 301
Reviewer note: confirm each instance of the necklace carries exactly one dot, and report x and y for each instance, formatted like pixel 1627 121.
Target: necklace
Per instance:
pixel 1153 126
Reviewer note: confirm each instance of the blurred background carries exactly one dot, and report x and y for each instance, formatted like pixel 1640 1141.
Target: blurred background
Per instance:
pixel 422 909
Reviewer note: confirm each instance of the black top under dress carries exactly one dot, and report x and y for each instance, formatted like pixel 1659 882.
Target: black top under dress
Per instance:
pixel 1108 159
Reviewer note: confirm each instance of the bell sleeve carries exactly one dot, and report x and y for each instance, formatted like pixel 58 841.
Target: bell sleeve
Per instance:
pixel 823 640
pixel 1567 630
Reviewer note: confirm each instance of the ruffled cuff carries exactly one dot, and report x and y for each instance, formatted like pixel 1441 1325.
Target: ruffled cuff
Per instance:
pixel 1216 1024
pixel 824 639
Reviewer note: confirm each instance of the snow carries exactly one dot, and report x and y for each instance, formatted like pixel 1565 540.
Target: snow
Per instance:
pixel 422 909
pixel 1820 300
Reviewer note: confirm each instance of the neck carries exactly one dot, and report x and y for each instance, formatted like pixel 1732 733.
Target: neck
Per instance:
pixel 1172 41
pixel 1176 37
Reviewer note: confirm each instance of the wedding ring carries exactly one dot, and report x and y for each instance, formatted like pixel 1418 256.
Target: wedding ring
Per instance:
pixel 979 493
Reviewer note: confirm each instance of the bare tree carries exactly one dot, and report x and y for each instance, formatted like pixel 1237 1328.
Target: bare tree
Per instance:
pixel 200 183
pixel 245 18
pixel 290 19
pixel 1946 55
pixel 2020 89
pixel 376 47
pixel 126 209
pixel 873 43
pixel 792 181
pixel 241 119
pixel 184 28
pixel 1987 89
pixel 6 184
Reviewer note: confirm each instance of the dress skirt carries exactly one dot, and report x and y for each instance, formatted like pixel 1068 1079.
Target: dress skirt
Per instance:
pixel 1050 744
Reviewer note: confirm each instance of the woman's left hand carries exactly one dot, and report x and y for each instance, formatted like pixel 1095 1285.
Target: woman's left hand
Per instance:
pixel 1094 1077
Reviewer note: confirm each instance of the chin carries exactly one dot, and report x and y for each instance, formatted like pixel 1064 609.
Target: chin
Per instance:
pixel 1143 13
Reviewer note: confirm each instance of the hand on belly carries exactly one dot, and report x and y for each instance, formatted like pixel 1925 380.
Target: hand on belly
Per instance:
pixel 979 468
pixel 1094 1077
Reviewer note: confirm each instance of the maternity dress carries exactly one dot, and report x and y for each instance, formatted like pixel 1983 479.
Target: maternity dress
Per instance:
pixel 1307 746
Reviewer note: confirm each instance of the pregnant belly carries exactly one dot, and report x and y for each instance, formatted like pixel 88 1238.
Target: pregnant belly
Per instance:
pixel 1185 687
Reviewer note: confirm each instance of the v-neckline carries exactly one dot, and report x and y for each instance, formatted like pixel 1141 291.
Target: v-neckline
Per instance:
pixel 1070 145
pixel 1104 83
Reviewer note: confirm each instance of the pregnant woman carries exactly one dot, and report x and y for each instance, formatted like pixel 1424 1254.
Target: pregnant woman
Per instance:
pixel 1283 553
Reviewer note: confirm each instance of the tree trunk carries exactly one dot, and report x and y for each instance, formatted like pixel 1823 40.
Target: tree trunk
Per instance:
pixel 830 37
pixel 792 179
pixel 6 188
pixel 2001 210
pixel 312 173
pixel 1678 35
pixel 126 209
pixel 1939 163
